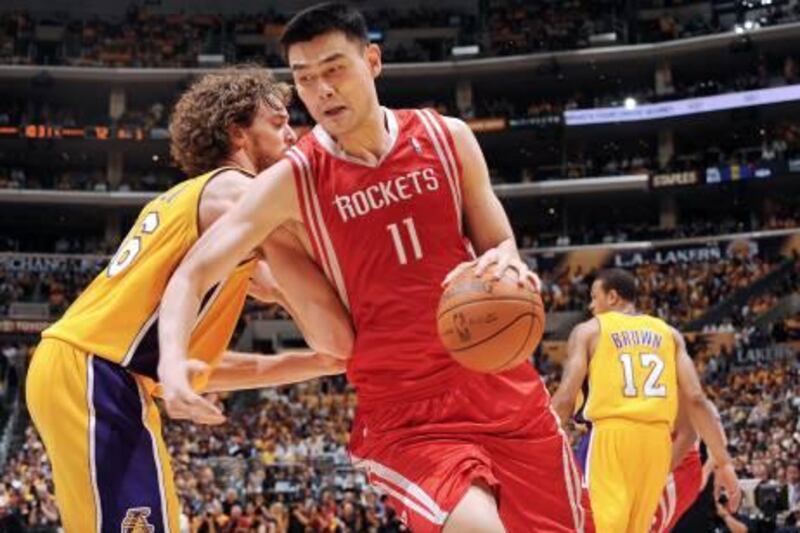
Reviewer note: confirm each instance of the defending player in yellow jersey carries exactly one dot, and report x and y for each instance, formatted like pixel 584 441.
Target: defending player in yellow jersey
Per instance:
pixel 632 370
pixel 91 382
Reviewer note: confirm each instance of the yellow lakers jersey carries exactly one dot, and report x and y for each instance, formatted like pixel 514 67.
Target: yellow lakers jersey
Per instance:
pixel 116 316
pixel 632 372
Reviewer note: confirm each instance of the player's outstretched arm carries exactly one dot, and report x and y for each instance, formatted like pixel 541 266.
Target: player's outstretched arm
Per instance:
pixel 269 202
pixel 575 368
pixel 706 423
pixel 304 291
pixel 241 371
pixel 486 222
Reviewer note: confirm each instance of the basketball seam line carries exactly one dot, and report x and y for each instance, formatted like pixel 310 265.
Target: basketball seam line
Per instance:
pixel 511 359
pixel 493 299
pixel 495 334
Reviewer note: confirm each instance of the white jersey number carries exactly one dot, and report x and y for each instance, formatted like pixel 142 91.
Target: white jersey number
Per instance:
pixel 130 249
pixel 652 388
pixel 397 239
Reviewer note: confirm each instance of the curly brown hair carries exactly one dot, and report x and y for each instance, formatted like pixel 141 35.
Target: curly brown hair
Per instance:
pixel 198 128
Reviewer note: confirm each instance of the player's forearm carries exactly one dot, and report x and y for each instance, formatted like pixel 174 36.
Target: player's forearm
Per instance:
pixel 240 371
pixel 562 406
pixel 733 524
pixel 563 401
pixel 707 424
pixel 574 372
pixel 179 305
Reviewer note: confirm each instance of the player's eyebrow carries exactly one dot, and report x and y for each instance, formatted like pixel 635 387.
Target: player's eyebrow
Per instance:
pixel 327 59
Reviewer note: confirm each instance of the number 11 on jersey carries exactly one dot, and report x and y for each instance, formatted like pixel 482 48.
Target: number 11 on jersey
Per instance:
pixel 397 239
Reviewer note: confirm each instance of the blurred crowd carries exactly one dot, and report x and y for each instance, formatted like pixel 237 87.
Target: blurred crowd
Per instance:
pixel 776 147
pixel 55 284
pixel 675 292
pixel 87 179
pixel 142 38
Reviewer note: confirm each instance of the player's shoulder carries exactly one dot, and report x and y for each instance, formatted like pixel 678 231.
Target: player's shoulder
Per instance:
pixel 453 124
pixel 220 192
pixel 677 336
pixel 226 186
pixel 587 328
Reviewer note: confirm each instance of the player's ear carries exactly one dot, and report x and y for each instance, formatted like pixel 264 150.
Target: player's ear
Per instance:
pixel 236 137
pixel 612 296
pixel 372 53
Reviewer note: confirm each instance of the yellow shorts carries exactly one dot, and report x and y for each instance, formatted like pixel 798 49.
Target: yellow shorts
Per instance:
pixel 102 433
pixel 626 468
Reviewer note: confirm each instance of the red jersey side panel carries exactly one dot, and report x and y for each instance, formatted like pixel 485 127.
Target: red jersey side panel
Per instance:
pixel 683 487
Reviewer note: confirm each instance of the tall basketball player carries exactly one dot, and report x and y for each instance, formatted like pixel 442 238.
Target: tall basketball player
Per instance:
pixel 92 379
pixel 394 200
pixel 633 369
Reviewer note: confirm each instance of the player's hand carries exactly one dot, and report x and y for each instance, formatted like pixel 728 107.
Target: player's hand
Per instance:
pixel 263 285
pixel 180 400
pixel 725 479
pixel 457 271
pixel 499 261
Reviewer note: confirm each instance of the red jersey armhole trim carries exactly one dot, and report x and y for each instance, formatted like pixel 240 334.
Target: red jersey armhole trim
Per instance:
pixel 452 144
pixel 302 200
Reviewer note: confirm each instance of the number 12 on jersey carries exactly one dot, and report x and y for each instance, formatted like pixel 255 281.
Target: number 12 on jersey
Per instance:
pixel 652 388
pixel 397 238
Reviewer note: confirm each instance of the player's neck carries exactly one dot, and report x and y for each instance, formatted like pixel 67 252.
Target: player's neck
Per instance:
pixel 240 160
pixel 370 141
pixel 626 309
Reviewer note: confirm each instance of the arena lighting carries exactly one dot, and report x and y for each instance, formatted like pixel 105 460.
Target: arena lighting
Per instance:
pixel 630 103
pixel 462 51
pixel 749 25
pixel 679 108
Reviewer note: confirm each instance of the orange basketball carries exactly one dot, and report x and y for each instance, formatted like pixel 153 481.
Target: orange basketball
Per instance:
pixel 490 325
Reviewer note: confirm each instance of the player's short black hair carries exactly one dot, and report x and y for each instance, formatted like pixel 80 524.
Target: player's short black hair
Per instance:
pixel 620 280
pixel 320 19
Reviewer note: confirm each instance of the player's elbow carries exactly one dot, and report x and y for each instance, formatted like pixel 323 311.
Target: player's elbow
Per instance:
pixel 339 342
pixel 332 365
pixel 336 339
pixel 695 400
pixel 190 279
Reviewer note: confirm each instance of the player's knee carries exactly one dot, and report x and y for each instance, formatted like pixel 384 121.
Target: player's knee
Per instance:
pixel 475 513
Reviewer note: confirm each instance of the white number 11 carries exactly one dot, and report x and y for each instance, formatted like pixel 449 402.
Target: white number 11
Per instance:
pixel 398 241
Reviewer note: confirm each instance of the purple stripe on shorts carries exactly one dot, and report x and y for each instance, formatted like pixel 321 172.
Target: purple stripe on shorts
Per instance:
pixel 582 453
pixel 127 473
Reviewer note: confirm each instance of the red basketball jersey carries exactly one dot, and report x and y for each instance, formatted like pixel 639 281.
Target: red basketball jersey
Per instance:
pixel 386 236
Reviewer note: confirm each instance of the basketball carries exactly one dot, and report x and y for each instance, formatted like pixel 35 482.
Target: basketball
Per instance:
pixel 490 325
